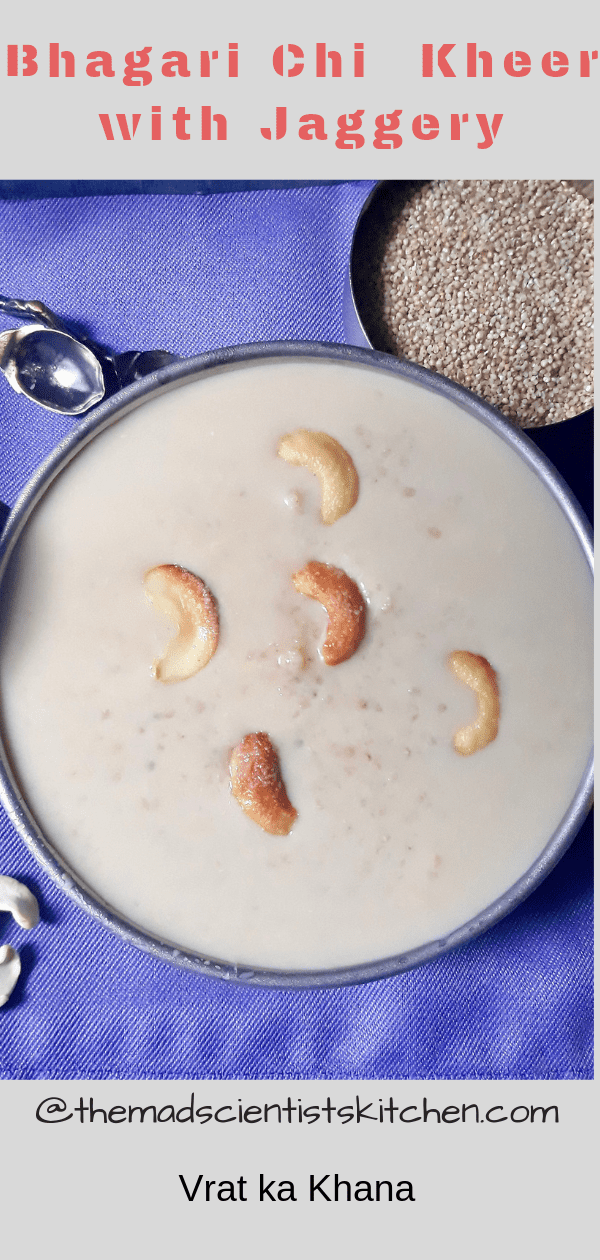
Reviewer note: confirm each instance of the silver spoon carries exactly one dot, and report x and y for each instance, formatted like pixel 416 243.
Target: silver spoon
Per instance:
pixel 51 368
pixel 62 372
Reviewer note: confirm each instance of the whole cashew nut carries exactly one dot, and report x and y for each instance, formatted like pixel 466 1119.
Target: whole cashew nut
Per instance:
pixel 477 673
pixel 258 787
pixel 330 462
pixel 344 604
pixel 10 970
pixel 188 602
pixel 19 901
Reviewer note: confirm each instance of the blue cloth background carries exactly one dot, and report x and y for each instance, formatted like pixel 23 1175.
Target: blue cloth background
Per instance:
pixel 187 273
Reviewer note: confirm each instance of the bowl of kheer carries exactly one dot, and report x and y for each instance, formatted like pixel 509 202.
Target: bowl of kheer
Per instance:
pixel 295 662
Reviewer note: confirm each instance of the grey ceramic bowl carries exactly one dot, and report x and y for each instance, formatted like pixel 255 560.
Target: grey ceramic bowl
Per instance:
pixel 173 377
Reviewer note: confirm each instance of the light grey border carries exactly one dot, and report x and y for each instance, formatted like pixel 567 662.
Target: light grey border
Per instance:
pixel 171 377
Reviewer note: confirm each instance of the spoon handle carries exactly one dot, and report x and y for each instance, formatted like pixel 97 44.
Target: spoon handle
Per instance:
pixel 33 309
pixel 134 364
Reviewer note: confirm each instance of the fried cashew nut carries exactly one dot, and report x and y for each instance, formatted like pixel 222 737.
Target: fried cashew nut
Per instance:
pixel 477 673
pixel 328 460
pixel 19 901
pixel 186 600
pixel 343 603
pixel 10 970
pixel 258 787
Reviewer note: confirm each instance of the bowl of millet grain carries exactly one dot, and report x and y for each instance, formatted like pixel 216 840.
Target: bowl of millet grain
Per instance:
pixel 486 282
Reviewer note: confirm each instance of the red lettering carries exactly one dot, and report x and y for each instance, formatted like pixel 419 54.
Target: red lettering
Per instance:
pixel 175 64
pixel 425 127
pixel 517 64
pixel 29 60
pixel 100 63
pixel 455 125
pixel 180 118
pixel 296 67
pixel 584 62
pixel 280 124
pixel 123 127
pixel 314 128
pixel 486 62
pixel 135 73
pixel 205 60
pixel 386 131
pixel 336 64
pixel 488 136
pixel 106 126
pixel 443 64
pixel 68 59
pixel 207 120
pixel 348 127
pixel 555 64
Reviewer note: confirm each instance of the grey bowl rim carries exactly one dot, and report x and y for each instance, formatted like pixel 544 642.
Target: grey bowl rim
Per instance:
pixel 371 197
pixel 110 411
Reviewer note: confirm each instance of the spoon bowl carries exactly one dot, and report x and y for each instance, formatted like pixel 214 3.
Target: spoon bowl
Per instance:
pixel 52 369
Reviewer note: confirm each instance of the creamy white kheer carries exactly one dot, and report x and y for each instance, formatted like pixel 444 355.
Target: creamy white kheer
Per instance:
pixel 455 544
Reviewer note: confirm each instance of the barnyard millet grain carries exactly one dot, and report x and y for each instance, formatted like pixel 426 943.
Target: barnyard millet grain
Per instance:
pixel 490 283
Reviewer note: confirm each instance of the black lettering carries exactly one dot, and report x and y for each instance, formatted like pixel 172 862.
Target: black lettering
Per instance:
pixel 362 1194
pixel 329 1109
pixel 361 1112
pixel 51 1111
pixel 317 1187
pixel 430 1111
pixel 273 1107
pixel 117 1115
pixel 97 1111
pixel 142 1111
pixel 496 1119
pixel 218 1115
pixel 286 1192
pixel 338 1184
pixel 265 1189
pixel 192 1196
pixel 391 1108
pixel 544 1111
pixel 226 1192
pixel 312 1114
pixel 470 1107
pixel 404 1193
pixel 250 1112
pixel 186 1113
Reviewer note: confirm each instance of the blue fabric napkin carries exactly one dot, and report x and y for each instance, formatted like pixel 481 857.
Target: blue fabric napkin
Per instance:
pixel 188 273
